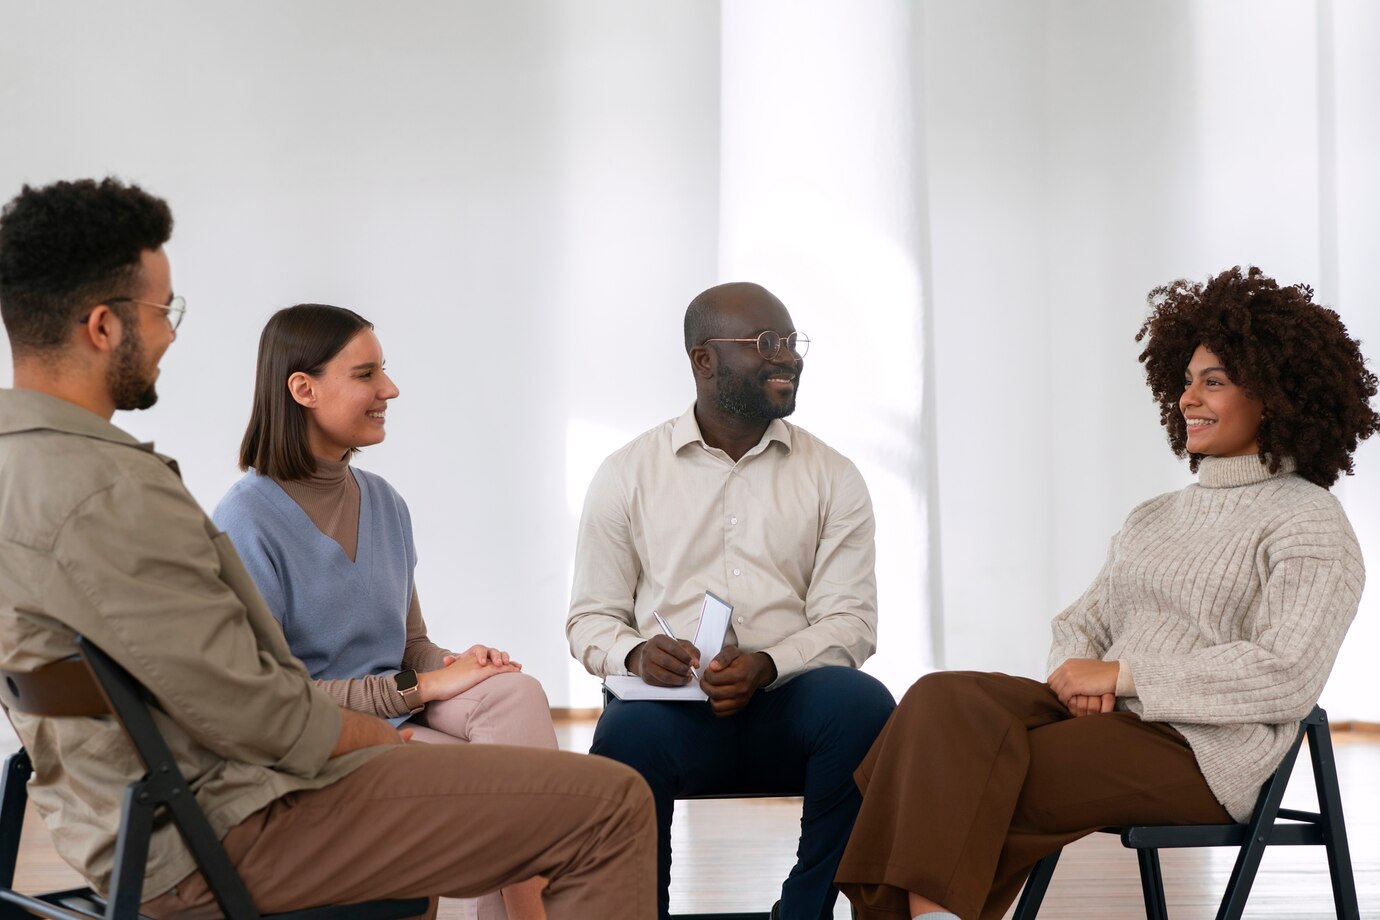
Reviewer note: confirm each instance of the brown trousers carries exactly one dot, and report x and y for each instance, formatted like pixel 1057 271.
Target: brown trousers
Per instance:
pixel 977 777
pixel 449 821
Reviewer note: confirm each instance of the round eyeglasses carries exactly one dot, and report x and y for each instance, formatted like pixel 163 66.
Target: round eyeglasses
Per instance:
pixel 175 309
pixel 769 344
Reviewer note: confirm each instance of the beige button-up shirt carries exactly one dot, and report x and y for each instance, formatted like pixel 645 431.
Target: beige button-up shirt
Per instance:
pixel 99 536
pixel 785 535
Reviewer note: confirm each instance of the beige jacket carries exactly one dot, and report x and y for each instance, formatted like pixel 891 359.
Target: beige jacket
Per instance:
pixel 99 536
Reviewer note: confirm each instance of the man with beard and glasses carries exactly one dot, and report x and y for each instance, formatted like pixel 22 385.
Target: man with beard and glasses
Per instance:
pixel 314 804
pixel 731 499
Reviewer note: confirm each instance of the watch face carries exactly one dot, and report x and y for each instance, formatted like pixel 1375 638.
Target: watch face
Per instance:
pixel 406 680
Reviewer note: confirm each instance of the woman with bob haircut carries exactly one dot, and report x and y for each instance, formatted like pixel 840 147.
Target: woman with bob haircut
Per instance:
pixel 1178 680
pixel 330 547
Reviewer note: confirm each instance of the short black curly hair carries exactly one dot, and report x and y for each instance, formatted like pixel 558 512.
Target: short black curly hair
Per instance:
pixel 1290 353
pixel 66 247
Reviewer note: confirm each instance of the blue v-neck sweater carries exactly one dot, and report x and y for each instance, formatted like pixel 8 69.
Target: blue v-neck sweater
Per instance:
pixel 342 618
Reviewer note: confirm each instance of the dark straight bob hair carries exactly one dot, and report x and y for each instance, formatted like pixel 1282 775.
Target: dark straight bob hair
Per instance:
pixel 301 338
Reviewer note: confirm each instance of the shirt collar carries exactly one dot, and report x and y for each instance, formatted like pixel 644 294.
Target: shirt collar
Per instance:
pixel 686 430
pixel 29 410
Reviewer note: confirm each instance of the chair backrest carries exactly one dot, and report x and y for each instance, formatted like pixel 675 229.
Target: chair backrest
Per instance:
pixel 58 689
pixel 94 684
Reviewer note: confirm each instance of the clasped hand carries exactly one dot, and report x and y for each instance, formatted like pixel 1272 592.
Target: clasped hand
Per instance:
pixel 1086 686
pixel 730 680
pixel 459 673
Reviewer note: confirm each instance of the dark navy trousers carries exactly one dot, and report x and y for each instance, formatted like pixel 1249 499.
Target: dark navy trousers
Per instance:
pixel 804 738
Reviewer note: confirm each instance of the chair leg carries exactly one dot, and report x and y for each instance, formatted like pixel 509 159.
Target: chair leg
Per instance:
pixel 1330 819
pixel 1152 884
pixel 1257 833
pixel 131 854
pixel 1033 894
pixel 14 796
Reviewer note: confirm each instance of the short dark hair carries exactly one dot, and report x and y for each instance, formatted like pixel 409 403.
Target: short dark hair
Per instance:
pixel 68 246
pixel 1290 353
pixel 300 338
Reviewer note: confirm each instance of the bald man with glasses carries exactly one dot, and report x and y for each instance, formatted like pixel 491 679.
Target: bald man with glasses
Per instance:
pixel 733 500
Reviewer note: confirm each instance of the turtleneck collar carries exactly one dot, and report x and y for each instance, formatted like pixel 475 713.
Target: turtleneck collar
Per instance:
pixel 329 475
pixel 1228 472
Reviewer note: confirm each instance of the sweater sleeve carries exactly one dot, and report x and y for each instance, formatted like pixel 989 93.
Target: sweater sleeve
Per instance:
pixel 376 694
pixel 1082 629
pixel 420 652
pixel 1275 673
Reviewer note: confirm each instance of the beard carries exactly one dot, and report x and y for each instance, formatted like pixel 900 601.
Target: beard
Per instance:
pixel 745 397
pixel 130 384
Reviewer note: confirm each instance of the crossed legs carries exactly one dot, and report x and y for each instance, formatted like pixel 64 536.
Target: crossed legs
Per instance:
pixel 978 776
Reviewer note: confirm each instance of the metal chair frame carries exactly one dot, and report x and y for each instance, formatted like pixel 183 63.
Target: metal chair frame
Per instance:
pixel 93 684
pixel 1270 825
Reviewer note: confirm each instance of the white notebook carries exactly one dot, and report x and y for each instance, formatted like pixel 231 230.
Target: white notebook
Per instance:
pixel 709 639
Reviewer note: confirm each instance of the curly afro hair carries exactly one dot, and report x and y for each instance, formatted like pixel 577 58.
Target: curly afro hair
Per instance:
pixel 1290 353
pixel 68 246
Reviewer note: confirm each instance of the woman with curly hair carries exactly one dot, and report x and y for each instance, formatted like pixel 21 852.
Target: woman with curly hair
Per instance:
pixel 1179 678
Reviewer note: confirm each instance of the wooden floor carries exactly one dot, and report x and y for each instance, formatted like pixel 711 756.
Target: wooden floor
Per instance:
pixel 731 855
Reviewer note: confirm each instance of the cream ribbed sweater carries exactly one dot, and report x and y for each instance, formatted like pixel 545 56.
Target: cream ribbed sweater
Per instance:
pixel 1228 600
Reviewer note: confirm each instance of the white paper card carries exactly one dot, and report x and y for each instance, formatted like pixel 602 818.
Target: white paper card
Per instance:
pixel 715 614
pixel 709 637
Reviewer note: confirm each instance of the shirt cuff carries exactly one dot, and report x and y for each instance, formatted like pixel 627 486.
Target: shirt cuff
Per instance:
pixel 788 660
pixel 616 664
pixel 1125 680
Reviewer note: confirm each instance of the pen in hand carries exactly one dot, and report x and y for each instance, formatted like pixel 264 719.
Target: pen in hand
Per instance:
pixel 666 628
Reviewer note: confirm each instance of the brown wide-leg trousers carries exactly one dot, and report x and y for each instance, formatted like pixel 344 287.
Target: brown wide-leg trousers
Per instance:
pixel 450 821
pixel 977 777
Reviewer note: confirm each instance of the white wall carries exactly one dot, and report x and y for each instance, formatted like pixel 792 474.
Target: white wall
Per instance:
pixel 820 201
pixel 523 196
pixel 1081 153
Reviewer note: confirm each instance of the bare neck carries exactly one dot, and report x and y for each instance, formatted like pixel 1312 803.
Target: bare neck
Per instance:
pixel 57 377
pixel 730 434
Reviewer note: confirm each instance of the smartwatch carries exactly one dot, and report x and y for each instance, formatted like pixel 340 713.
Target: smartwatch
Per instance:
pixel 409 690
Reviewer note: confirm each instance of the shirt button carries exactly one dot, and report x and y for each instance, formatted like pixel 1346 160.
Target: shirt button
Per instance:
pixel 733 520
pixel 740 619
pixel 736 572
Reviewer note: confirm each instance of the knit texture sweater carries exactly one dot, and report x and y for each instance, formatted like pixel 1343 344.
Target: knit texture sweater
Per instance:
pixel 1228 600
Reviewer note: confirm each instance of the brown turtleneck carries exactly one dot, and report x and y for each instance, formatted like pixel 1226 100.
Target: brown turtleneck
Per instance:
pixel 330 497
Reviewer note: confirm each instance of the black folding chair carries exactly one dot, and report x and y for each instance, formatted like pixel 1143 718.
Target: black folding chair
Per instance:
pixel 1270 825
pixel 89 685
